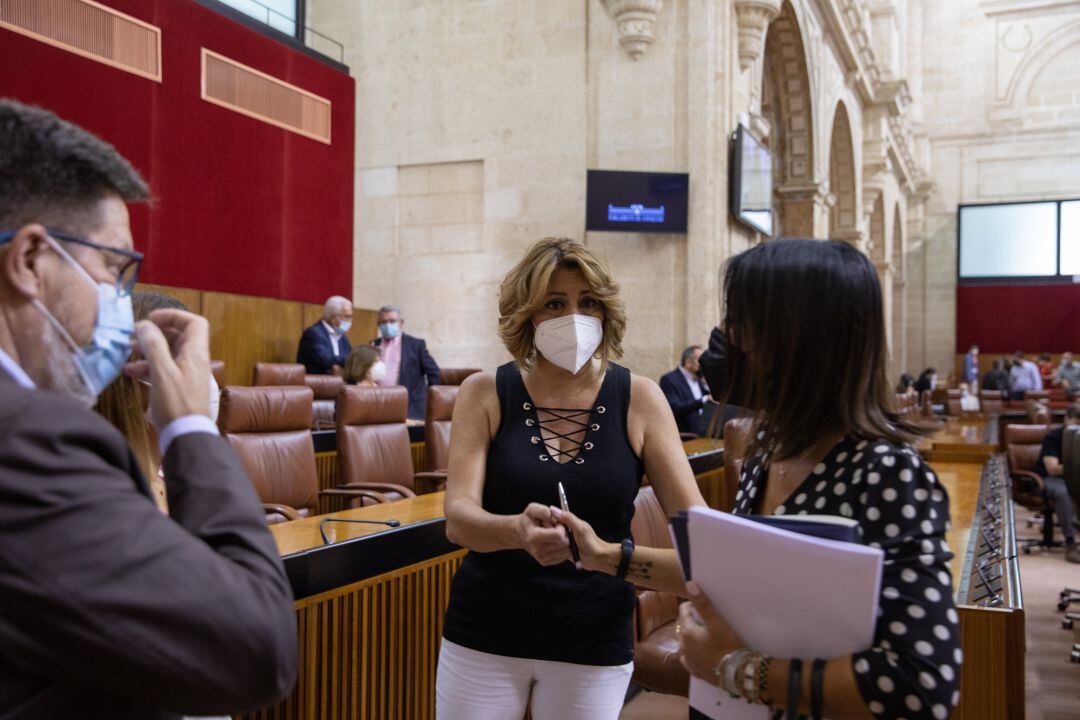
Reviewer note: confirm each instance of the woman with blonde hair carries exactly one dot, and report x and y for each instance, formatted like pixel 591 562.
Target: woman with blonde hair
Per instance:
pixel 363 367
pixel 523 619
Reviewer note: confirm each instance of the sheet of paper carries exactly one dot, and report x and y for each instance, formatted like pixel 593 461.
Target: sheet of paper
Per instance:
pixel 784 594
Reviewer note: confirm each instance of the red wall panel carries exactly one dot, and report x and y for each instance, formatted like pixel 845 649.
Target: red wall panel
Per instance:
pixel 1004 318
pixel 240 206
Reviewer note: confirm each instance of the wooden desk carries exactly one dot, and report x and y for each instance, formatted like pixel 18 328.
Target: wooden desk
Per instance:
pixel 992 638
pixel 706 456
pixel 369 611
pixel 967 439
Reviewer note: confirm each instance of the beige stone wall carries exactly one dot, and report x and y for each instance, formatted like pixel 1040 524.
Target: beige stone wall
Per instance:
pixel 1000 104
pixel 477 121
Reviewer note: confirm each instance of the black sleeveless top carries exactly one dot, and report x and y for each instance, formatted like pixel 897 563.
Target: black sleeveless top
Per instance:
pixel 506 603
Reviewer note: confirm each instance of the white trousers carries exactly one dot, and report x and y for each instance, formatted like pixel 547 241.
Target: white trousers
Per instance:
pixel 474 685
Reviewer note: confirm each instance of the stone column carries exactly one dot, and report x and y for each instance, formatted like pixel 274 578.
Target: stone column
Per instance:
pixel 754 17
pixel 804 210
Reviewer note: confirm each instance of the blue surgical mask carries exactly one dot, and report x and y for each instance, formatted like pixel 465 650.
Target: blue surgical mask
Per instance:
pixel 344 326
pixel 101 361
pixel 389 330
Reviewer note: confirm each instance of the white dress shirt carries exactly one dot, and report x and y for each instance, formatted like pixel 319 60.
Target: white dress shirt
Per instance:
pixel 695 385
pixel 335 337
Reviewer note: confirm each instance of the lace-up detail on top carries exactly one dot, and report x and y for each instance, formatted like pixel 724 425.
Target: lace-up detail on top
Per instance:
pixel 546 420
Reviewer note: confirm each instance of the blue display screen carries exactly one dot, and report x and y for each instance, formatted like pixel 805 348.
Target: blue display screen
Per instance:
pixel 636 202
pixel 635 213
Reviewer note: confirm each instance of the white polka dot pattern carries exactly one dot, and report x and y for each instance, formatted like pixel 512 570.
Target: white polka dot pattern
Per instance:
pixel 913 669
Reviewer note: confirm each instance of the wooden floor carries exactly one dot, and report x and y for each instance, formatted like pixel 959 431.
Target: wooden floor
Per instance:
pixel 1053 683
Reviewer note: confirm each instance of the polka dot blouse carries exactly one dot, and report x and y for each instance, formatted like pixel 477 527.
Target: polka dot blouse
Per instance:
pixel 913 669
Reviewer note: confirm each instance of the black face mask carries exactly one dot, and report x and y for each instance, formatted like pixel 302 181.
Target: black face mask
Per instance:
pixel 716 368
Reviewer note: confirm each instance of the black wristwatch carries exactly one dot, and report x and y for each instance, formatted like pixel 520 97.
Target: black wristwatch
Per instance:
pixel 624 558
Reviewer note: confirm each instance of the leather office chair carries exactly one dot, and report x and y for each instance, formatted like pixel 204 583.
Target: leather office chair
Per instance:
pixel 1070 461
pixel 326 389
pixel 269 374
pixel 217 369
pixel 440 408
pixel 656 647
pixel 269 428
pixel 455 376
pixel 736 439
pixel 373 443
pixel 1022 445
pixel 953 405
pixel 992 402
pixel 1037 395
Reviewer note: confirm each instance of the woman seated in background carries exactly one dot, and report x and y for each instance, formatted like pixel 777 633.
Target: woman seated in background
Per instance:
pixel 927 381
pixel 805 340
pixel 907 385
pixel 125 402
pixel 363 367
pixel 1047 368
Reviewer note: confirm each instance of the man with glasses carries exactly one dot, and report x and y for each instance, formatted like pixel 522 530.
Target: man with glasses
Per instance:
pixel 108 608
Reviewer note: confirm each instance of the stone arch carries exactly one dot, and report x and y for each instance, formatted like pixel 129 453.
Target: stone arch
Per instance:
pixel 786 104
pixel 1032 65
pixel 843 217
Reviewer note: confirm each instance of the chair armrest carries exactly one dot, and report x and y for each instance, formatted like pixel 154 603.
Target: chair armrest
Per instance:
pixel 384 487
pixel 1028 475
pixel 290 513
pixel 355 493
pixel 325 425
pixel 428 482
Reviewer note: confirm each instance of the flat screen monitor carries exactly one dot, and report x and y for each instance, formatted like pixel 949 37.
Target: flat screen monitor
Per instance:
pixel 637 202
pixel 1018 240
pixel 751 182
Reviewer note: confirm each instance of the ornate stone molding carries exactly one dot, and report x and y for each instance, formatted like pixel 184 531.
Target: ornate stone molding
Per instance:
pixel 754 17
pixel 636 20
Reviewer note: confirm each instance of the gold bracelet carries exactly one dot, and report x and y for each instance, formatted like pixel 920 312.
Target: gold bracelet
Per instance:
pixel 763 681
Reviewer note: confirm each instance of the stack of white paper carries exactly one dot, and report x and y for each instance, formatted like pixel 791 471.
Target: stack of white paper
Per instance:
pixel 784 594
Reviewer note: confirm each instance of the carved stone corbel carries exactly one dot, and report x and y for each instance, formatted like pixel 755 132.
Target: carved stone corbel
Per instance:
pixel 636 20
pixel 754 17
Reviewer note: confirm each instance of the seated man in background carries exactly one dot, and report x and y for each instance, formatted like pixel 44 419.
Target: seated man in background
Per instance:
pixel 407 360
pixel 1023 376
pixel 110 609
pixel 687 394
pixel 971 368
pixel 1057 493
pixel 325 345
pixel 1068 375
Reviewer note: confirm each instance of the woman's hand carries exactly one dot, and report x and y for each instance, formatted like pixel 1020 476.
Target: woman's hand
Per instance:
pixel 705 638
pixel 541 536
pixel 596 554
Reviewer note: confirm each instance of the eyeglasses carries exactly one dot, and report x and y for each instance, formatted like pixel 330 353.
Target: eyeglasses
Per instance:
pixel 129 265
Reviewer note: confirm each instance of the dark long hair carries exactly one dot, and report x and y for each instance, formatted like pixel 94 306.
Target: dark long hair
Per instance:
pixel 806 331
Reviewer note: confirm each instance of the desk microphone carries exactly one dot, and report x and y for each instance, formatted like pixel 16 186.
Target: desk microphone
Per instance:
pixel 326 540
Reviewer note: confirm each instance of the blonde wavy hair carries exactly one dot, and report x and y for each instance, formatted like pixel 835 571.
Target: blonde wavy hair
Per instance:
pixel 524 292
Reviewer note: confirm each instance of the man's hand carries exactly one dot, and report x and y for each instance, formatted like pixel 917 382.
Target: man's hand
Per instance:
pixel 176 345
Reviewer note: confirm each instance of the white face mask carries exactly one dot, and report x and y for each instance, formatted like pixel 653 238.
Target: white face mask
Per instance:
pixel 377 371
pixel 569 341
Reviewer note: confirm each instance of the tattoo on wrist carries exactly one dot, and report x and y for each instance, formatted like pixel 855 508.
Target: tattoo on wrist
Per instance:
pixel 641 570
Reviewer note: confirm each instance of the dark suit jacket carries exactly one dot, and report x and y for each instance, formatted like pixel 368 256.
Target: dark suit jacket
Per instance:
pixel 681 399
pixel 418 371
pixel 316 352
pixel 110 609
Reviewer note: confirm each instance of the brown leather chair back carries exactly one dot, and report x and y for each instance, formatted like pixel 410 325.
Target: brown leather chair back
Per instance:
pixel 1022 445
pixel 1036 395
pixel 736 439
pixel 269 374
pixel 326 389
pixel 656 659
pixel 372 438
pixel 455 376
pixel 217 369
pixel 269 428
pixel 440 407
pixel 992 402
pixel 953 405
